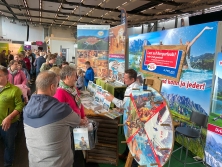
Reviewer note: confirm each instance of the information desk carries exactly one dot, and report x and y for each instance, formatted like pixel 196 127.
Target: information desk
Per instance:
pixel 117 90
pixel 107 149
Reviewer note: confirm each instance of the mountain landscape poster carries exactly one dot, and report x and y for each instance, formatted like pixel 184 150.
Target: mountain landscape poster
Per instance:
pixel 93 43
pixel 193 91
pixel 213 149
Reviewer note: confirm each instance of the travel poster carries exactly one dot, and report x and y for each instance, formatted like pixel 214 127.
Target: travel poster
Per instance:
pixel 193 91
pixel 197 73
pixel 93 41
pixel 117 42
pixel 213 148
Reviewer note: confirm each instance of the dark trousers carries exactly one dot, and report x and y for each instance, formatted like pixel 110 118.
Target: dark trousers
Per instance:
pixel 9 143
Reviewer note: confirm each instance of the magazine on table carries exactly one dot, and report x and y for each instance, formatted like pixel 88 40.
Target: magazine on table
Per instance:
pixel 89 87
pixel 81 138
pixel 93 89
pixel 98 93
pixel 105 107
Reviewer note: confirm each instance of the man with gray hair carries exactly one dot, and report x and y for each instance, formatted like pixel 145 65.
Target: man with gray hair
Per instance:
pixel 60 59
pixel 47 124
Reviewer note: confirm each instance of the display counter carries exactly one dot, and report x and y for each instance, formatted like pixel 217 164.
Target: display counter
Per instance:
pixel 107 149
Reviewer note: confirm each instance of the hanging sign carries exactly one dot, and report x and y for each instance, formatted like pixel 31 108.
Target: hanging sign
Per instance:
pixel 163 61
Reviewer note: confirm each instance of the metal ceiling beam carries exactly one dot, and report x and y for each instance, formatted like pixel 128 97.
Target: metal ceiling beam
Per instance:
pixel 59 13
pixel 64 2
pixel 43 23
pixel 167 2
pixel 9 8
pixel 53 19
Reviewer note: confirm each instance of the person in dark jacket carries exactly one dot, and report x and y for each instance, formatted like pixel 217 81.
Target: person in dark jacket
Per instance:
pixel 10 56
pixel 3 58
pixel 47 124
pixel 39 61
pixel 89 75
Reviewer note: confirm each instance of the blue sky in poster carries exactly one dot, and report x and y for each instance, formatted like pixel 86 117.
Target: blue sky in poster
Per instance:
pixel 204 44
pixel 83 32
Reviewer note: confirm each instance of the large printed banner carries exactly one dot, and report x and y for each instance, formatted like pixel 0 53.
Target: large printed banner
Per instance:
pixel 93 41
pixel 213 147
pixel 117 37
pixel 193 91
pixel 197 71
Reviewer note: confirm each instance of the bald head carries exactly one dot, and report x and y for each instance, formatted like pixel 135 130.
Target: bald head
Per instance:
pixel 46 82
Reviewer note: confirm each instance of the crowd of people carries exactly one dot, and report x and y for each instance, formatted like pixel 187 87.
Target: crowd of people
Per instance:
pixel 52 111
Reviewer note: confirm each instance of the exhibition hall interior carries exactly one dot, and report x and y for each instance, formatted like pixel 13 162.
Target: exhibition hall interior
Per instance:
pixel 111 83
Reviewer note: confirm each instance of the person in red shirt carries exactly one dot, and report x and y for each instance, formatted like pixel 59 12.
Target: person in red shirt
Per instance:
pixel 68 93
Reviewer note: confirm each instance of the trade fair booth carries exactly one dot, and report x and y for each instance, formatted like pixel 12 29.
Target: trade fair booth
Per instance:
pixel 188 93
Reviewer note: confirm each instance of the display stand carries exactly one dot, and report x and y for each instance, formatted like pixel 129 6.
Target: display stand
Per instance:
pixel 148 125
pixel 107 148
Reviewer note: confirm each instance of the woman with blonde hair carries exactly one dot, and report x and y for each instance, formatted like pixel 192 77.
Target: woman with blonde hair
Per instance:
pixel 56 70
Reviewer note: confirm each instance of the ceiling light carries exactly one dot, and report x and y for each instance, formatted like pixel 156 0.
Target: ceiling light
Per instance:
pixel 160 4
pixel 124 3
pixel 152 7
pixel 117 7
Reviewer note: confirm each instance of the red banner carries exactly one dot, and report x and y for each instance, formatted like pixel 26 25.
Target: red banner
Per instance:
pixel 164 58
pixel 215 129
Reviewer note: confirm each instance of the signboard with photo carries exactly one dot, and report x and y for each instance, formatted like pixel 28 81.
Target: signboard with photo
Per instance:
pixel 163 61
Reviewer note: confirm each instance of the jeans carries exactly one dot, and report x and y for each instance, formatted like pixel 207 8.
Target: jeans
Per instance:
pixel 9 143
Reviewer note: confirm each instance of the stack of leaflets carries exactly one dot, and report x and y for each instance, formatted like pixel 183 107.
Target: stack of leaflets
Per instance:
pixel 105 107
pixel 92 88
pixel 99 104
pixel 113 114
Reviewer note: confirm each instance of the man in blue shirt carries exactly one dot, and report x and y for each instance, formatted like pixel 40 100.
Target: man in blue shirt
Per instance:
pixel 89 75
